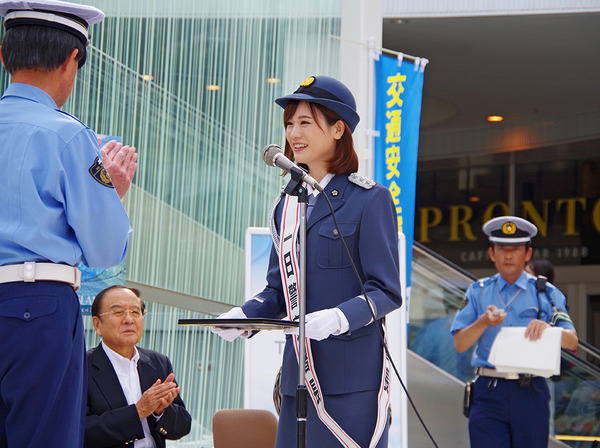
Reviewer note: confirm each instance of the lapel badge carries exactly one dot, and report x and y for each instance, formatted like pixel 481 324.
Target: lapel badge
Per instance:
pixel 334 193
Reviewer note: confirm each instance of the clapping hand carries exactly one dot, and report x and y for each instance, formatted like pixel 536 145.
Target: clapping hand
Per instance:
pixel 158 397
pixel 120 163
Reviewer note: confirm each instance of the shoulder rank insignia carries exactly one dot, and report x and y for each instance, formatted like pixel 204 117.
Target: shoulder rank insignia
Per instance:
pixel 361 181
pixel 464 303
pixel 99 173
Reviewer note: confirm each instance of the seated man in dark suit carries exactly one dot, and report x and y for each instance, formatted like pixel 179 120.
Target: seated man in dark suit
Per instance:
pixel 132 395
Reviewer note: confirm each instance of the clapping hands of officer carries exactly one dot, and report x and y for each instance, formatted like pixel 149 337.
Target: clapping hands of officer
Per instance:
pixel 120 163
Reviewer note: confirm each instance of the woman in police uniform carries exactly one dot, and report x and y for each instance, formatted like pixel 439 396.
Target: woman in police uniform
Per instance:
pixel 345 352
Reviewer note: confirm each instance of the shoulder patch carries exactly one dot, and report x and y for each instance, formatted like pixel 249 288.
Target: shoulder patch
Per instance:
pixel 361 181
pixel 99 173
pixel 464 303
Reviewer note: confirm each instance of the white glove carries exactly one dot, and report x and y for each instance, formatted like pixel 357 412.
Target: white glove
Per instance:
pixel 230 334
pixel 322 324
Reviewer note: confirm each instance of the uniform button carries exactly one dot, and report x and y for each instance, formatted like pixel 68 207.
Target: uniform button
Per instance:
pixel 29 274
pixel 335 232
pixel 27 315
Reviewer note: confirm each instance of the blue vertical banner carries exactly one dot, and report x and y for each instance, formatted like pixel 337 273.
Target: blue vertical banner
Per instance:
pixel 398 97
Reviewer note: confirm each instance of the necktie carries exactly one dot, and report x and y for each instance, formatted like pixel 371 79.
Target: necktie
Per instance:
pixel 311 203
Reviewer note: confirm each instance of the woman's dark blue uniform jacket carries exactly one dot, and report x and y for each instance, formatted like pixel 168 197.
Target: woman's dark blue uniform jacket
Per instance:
pixel 350 362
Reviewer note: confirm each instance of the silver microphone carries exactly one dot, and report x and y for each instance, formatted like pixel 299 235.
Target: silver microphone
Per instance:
pixel 273 156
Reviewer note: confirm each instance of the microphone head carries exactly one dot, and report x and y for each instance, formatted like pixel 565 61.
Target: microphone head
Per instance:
pixel 269 152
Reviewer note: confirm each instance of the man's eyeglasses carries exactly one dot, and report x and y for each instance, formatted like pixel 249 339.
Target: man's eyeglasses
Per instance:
pixel 120 313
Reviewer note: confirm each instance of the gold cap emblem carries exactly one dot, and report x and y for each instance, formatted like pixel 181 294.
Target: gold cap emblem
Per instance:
pixel 308 81
pixel 509 228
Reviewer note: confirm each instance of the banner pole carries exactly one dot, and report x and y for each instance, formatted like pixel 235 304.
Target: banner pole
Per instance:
pixel 371 132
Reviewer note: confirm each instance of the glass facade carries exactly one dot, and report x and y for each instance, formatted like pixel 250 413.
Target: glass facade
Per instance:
pixel 191 84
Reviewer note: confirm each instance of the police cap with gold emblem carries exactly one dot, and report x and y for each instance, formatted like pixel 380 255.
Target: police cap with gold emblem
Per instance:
pixel 328 92
pixel 509 230
pixel 71 17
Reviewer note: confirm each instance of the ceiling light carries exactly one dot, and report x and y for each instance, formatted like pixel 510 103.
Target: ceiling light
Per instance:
pixel 495 118
pixel 213 87
pixel 273 80
pixel 148 77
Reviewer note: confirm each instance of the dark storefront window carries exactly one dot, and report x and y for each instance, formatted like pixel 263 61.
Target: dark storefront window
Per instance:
pixel 557 188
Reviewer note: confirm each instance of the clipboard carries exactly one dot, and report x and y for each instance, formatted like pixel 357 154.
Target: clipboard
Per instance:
pixel 245 324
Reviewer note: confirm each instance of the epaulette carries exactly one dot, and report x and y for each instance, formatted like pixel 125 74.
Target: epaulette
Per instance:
pixel 483 281
pixel 73 118
pixel 361 181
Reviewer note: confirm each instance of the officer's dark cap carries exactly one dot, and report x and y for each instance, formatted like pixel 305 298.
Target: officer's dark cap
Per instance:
pixel 328 92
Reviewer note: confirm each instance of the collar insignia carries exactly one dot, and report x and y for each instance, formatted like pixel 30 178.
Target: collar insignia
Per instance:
pixel 99 173
pixel 334 193
pixel 361 181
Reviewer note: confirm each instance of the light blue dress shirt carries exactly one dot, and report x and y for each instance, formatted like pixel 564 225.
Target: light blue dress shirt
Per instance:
pixel 52 207
pixel 520 302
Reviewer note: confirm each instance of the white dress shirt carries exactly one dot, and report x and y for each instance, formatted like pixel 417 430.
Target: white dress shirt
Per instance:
pixel 129 378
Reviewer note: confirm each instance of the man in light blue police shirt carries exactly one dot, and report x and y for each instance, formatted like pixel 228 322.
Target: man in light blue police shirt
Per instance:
pixel 509 410
pixel 59 207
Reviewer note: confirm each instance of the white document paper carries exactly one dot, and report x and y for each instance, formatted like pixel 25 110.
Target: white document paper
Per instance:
pixel 511 352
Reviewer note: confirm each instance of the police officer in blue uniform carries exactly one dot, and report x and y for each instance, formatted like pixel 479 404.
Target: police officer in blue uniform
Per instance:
pixel 509 410
pixel 59 207
pixel 319 119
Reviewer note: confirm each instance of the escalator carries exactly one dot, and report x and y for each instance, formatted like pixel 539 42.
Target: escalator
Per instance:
pixel 437 372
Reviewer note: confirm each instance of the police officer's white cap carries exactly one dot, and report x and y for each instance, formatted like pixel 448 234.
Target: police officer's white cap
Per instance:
pixel 71 17
pixel 509 230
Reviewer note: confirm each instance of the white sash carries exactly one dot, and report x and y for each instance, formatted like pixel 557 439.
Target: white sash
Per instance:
pixel 288 267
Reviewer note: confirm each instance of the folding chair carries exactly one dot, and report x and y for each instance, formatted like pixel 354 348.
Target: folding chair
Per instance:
pixel 248 428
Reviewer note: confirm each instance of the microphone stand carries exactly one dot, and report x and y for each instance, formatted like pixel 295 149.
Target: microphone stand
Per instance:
pixel 295 188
